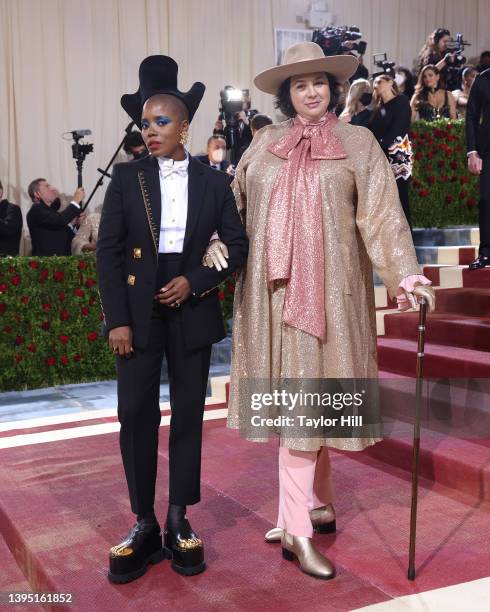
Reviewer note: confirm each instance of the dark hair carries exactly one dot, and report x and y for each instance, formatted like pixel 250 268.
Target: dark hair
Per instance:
pixel 1 186
pixel 259 121
pixel 283 101
pixel 409 84
pixel 33 187
pixel 133 139
pixel 216 137
pixel 420 88
pixel 440 33
pixel 484 54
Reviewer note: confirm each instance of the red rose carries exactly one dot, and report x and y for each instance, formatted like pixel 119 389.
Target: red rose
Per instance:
pixel 221 295
pixel 3 287
pixel 430 155
pixel 471 202
pixel 63 338
pixel 423 193
pixel 17 317
pixel 16 280
pixel 92 336
pixel 19 340
pixel 444 147
pixel 31 348
pixel 64 359
pixel 3 308
pixel 18 358
pixel 79 292
pixel 61 296
pixel 464 180
pixel 453 165
pixel 76 357
pixel 25 299
pixel 462 195
pixel 64 314
pixel 419 155
pixel 43 275
pixel 51 361
pixel 58 276
pixel 90 282
pixel 449 199
pixel 101 317
pixel 85 311
pixel 431 179
pixel 45 325
pixel 443 178
pixel 92 301
pixel 47 307
pixel 417 183
pixel 7 329
pixel 33 264
pixel 82 265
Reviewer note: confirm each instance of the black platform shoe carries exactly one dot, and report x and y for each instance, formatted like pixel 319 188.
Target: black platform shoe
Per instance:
pixel 480 262
pixel 142 546
pixel 185 549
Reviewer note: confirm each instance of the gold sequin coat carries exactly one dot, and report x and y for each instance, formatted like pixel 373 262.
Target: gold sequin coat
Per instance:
pixel 364 227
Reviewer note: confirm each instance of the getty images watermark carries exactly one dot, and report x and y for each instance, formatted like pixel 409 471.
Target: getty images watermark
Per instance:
pixel 306 408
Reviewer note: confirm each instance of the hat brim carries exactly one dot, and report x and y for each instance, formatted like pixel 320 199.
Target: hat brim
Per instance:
pixel 342 67
pixel 133 104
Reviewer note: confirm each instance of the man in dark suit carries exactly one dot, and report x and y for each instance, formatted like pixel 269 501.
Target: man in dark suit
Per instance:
pixel 10 226
pixel 160 300
pixel 216 155
pixel 478 147
pixel 51 231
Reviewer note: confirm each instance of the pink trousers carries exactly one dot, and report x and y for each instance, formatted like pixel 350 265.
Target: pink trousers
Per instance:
pixel 304 484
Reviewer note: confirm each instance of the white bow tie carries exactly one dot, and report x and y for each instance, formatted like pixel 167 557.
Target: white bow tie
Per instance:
pixel 167 170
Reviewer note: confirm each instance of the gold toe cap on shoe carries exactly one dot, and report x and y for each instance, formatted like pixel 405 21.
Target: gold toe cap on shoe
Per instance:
pixel 121 551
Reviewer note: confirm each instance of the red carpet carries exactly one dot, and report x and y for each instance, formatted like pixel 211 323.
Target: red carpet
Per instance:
pixel 63 504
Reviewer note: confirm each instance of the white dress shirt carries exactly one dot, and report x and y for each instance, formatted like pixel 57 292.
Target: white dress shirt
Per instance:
pixel 174 189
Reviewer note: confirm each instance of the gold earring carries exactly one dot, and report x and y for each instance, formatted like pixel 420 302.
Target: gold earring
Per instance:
pixel 183 137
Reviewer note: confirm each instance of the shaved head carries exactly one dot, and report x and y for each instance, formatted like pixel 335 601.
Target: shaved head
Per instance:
pixel 170 103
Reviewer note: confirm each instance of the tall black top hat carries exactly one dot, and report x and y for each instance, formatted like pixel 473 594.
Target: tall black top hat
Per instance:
pixel 158 75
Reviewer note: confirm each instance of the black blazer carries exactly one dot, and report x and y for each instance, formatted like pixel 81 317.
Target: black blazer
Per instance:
pixel 10 228
pixel 478 115
pixel 127 249
pixel 223 166
pixel 49 229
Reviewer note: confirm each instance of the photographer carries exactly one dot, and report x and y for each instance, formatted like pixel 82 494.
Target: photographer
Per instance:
pixel 233 122
pixel 134 145
pixel 390 124
pixel 52 231
pixel 435 52
pixel 431 101
pixel 10 226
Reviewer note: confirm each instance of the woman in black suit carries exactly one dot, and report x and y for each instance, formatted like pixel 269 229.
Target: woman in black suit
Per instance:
pixel 158 299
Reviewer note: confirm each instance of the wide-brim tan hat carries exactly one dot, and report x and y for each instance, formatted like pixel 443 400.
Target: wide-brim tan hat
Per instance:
pixel 305 58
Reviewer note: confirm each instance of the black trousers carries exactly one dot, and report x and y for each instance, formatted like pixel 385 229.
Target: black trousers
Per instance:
pixel 138 390
pixel 484 206
pixel 403 186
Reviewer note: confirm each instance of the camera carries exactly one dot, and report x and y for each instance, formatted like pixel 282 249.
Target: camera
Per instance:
pixel 453 70
pixel 232 102
pixel 381 61
pixel 339 40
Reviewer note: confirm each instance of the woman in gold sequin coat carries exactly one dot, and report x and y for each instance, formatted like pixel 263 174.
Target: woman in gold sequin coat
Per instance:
pixel 363 226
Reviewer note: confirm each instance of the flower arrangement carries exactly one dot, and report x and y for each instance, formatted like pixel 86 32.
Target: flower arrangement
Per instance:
pixel 442 191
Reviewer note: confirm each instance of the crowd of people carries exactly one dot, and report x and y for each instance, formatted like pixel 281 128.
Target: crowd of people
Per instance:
pixel 385 102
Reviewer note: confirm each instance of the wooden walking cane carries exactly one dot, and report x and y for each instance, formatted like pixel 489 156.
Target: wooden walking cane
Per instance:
pixel 416 437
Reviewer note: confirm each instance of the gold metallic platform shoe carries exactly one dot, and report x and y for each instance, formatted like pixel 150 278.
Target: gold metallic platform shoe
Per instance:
pixel 322 519
pixel 310 560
